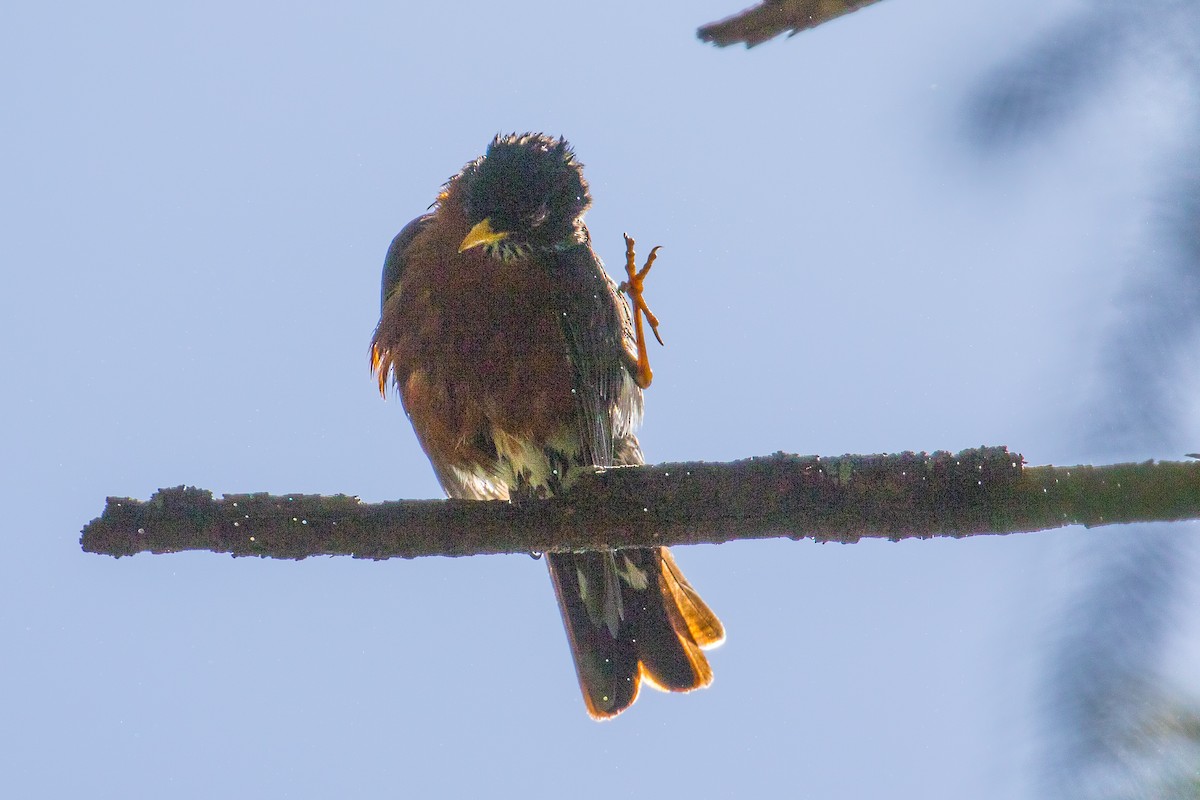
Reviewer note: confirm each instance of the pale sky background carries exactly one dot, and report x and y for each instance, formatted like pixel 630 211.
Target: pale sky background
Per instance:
pixel 195 201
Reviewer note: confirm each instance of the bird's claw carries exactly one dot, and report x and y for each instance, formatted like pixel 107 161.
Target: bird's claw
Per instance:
pixel 633 286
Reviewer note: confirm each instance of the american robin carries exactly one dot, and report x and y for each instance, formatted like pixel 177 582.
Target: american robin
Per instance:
pixel 520 365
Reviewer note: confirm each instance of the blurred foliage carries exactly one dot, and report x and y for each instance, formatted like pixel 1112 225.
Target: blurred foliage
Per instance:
pixel 1111 730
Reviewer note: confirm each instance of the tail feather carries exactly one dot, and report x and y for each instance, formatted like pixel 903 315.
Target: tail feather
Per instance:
pixel 707 631
pixel 671 658
pixel 653 630
pixel 607 666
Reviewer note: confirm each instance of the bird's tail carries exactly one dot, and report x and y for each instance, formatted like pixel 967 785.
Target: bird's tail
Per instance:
pixel 631 616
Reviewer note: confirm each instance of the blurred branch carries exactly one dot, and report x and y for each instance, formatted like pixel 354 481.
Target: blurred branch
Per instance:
pixel 773 17
pixel 843 499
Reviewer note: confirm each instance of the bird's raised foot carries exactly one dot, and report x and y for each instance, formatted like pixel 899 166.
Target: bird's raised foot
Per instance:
pixel 633 287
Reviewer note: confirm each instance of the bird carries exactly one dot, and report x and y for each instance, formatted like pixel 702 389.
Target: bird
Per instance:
pixel 520 366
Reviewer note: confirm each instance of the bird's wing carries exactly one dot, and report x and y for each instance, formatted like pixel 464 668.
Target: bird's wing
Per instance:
pixel 393 263
pixel 596 324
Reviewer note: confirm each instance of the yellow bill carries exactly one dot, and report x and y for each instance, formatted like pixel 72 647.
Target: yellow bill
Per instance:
pixel 481 234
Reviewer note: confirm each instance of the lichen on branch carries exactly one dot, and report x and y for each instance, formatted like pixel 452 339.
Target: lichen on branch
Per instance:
pixel 846 498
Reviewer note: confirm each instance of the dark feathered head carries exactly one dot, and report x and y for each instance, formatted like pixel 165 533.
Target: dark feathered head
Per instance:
pixel 525 194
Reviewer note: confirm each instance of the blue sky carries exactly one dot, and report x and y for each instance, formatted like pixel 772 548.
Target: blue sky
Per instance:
pixel 196 200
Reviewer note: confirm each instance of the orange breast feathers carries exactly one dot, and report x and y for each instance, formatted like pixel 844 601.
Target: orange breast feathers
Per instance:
pixel 474 346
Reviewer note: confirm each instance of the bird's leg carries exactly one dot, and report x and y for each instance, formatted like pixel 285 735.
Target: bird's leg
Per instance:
pixel 632 286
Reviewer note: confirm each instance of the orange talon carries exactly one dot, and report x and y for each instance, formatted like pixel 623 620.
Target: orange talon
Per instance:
pixel 633 287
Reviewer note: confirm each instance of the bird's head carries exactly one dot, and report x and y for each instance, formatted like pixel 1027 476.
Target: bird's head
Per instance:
pixel 525 194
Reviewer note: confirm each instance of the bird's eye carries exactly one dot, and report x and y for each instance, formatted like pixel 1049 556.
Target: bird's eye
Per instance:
pixel 538 217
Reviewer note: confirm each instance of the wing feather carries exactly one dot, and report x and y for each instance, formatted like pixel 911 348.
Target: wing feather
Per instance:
pixel 599 333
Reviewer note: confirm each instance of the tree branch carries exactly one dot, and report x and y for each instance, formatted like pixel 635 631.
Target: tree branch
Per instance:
pixel 843 499
pixel 770 18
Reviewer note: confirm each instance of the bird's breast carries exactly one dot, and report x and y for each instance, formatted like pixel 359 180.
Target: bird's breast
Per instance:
pixel 479 355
